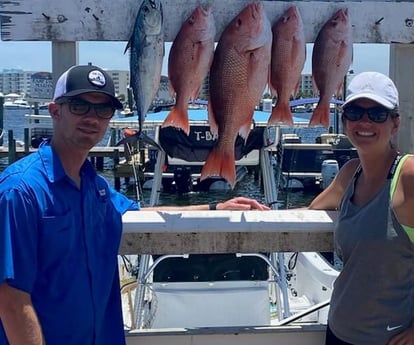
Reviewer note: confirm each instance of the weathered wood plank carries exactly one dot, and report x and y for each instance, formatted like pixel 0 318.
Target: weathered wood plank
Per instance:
pixel 98 20
pixel 149 232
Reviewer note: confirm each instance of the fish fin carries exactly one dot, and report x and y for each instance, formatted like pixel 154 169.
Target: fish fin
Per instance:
pixel 341 57
pixel 212 120
pixel 128 46
pixel 171 89
pixel 195 93
pixel 177 118
pixel 221 164
pixel 245 129
pixel 314 87
pixel 320 116
pixel 272 88
pixel 281 114
pixel 296 89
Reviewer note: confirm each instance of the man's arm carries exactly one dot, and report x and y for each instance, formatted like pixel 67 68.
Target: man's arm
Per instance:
pixel 18 317
pixel 236 204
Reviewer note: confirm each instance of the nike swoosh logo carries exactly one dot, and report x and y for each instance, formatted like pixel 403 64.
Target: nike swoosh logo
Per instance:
pixel 389 329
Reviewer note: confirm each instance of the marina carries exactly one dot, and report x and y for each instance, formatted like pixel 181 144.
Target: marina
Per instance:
pixel 221 277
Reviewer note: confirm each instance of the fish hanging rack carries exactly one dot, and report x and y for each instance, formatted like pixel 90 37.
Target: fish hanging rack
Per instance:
pixel 105 20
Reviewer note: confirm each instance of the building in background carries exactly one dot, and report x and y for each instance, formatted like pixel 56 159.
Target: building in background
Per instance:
pixel 20 82
pixel 15 81
pixel 121 82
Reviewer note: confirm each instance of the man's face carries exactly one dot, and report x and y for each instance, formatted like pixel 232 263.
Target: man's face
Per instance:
pixel 81 121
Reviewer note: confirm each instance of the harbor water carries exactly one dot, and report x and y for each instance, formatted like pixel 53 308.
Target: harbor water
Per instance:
pixel 248 187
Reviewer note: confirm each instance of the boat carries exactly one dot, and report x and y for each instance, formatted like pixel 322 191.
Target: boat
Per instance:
pixel 184 155
pixel 311 166
pixel 310 163
pixel 232 291
pixel 126 112
pixel 16 104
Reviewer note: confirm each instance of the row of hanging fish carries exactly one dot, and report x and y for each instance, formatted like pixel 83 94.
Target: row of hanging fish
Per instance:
pixel 331 59
pixel 248 52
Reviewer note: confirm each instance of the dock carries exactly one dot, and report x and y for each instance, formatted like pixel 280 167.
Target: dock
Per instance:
pixel 98 151
pixel 97 155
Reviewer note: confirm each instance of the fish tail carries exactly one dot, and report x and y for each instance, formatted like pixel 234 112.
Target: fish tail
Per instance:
pixel 281 114
pixel 220 163
pixel 320 116
pixel 177 118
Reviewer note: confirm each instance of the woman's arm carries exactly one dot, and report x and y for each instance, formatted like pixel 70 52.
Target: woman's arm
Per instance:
pixel 330 198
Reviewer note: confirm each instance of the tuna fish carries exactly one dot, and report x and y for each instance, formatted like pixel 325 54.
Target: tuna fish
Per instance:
pixel 331 59
pixel 288 59
pixel 146 55
pixel 238 76
pixel 189 61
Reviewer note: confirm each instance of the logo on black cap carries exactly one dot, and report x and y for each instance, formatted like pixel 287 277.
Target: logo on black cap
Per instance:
pixel 96 78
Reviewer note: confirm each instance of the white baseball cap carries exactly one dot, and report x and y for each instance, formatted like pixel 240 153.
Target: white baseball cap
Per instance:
pixel 374 86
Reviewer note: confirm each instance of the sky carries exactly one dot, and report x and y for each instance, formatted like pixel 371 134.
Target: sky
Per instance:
pixel 37 56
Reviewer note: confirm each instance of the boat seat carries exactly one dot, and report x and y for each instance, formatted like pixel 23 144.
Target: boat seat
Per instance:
pixel 210 304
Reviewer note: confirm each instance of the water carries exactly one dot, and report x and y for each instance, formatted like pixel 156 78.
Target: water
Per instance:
pixel 248 187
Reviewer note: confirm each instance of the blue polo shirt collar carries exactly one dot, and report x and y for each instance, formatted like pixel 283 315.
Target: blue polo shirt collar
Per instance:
pixel 53 165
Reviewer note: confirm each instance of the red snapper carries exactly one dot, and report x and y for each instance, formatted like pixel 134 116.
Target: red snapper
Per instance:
pixel 238 76
pixel 288 59
pixel 189 61
pixel 331 58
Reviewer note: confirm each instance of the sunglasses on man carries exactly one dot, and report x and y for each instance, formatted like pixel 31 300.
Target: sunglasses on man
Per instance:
pixel 81 107
pixel 375 114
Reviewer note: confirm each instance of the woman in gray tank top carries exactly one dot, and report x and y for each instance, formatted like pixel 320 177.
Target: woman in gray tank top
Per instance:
pixel 373 297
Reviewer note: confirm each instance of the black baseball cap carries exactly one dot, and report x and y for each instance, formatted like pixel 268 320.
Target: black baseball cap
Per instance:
pixel 82 79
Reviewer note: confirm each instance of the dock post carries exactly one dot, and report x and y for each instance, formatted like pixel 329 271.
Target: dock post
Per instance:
pixel 26 141
pixel 117 180
pixel 1 118
pixel 12 147
pixel 113 137
pixel 99 162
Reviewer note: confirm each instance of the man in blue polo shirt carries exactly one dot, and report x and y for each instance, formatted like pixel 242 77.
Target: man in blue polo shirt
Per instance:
pixel 61 227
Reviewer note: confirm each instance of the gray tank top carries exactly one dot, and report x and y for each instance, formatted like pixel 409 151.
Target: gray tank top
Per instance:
pixel 373 297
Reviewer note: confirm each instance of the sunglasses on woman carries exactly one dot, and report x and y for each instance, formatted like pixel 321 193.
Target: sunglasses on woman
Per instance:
pixel 81 107
pixel 375 114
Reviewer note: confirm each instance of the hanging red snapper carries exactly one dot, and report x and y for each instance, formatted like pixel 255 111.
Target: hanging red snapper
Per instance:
pixel 238 76
pixel 189 61
pixel 331 59
pixel 288 59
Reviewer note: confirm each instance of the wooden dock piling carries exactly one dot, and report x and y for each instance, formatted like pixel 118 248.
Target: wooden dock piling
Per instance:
pixel 12 147
pixel 1 118
pixel 97 154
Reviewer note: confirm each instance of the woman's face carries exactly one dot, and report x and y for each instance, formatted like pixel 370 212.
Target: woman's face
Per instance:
pixel 366 134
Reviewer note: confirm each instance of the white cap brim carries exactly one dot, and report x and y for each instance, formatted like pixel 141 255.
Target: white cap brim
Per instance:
pixel 373 97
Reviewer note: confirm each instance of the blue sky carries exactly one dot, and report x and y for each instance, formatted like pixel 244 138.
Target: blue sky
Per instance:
pixel 37 56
